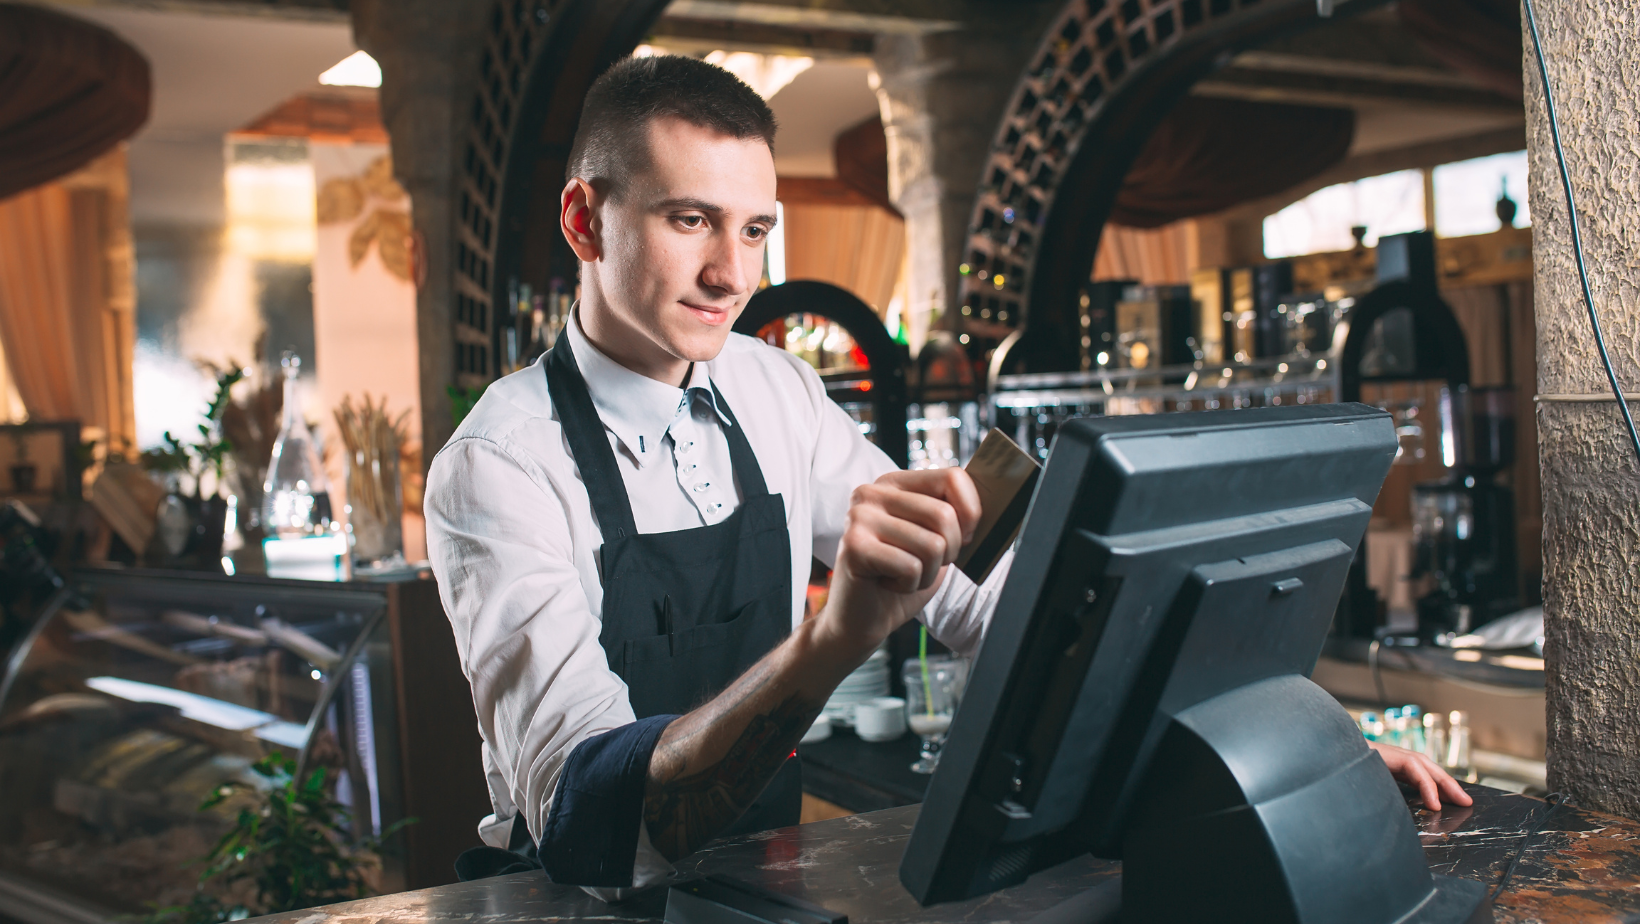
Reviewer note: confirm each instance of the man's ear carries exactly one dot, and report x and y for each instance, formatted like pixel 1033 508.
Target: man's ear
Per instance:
pixel 578 221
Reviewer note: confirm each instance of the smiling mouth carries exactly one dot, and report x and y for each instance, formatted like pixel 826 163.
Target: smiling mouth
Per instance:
pixel 708 314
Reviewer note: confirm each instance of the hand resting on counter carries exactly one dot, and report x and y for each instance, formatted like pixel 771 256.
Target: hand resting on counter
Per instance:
pixel 1423 774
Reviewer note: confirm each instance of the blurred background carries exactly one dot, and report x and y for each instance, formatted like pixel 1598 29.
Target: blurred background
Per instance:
pixel 259 257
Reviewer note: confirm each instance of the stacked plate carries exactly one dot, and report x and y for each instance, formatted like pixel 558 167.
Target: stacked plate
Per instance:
pixel 869 681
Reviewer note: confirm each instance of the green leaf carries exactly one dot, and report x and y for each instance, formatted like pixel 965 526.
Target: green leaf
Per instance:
pixel 293 842
pixel 462 401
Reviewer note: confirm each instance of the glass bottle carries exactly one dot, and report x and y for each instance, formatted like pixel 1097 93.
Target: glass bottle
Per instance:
pixel 1372 726
pixel 1459 760
pixel 1435 737
pixel 1413 739
pixel 296 494
pixel 539 343
pixel 1393 726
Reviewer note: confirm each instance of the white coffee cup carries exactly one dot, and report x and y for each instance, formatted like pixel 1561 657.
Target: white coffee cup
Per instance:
pixel 880 719
pixel 819 731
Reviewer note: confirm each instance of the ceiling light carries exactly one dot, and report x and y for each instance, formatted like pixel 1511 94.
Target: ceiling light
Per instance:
pixel 766 74
pixel 356 70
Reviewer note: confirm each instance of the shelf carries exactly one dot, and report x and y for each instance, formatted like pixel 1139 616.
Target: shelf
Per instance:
pixel 1296 362
pixel 1240 383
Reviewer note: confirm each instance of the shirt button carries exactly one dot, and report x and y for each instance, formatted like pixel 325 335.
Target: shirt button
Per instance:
pixel 701 488
pixel 687 445
pixel 690 468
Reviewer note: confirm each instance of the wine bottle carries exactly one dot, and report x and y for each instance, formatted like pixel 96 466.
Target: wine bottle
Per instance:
pixel 302 538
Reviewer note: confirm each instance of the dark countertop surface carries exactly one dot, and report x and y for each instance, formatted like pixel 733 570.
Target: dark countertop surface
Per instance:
pixel 862 776
pixel 1584 867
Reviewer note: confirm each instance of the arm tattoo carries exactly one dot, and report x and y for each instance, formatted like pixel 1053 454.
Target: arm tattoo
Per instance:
pixel 684 812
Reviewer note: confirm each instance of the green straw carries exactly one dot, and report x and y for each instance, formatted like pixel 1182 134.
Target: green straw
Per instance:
pixel 922 658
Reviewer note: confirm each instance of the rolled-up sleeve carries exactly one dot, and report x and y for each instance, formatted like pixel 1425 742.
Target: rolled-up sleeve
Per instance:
pixel 960 611
pixel 499 542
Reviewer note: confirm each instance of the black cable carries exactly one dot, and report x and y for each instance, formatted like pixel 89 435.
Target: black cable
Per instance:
pixel 1555 800
pixel 1577 237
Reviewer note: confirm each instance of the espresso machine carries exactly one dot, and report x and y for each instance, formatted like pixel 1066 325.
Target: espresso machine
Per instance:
pixel 1463 525
pixel 1401 331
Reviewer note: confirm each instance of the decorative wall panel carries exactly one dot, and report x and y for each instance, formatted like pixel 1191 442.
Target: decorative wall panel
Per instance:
pixel 539 58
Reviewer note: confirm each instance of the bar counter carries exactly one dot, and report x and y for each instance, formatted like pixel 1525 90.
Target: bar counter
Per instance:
pixel 1583 867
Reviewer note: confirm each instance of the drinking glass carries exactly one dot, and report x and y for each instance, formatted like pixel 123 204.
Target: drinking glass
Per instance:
pixel 932 690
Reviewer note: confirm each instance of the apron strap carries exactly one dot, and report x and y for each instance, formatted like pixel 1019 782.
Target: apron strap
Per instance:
pixel 588 444
pixel 596 460
pixel 747 470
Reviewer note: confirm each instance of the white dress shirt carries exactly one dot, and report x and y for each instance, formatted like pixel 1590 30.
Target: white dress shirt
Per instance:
pixel 513 540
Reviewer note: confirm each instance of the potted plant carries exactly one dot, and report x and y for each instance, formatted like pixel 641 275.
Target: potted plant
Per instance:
pixel 190 525
pixel 289 847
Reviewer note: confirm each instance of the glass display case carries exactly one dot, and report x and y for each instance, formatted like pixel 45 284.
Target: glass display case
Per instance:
pixel 119 717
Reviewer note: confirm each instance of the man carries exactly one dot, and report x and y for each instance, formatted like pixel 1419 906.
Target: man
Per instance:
pixel 622 536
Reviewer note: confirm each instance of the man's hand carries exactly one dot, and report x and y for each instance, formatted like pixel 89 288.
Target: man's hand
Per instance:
pixel 902 532
pixel 1416 770
pixel 709 765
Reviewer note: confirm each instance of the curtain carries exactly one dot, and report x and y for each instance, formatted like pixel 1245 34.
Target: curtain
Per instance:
pixel 843 229
pixel 1153 256
pixel 858 247
pixel 67 301
pixel 11 403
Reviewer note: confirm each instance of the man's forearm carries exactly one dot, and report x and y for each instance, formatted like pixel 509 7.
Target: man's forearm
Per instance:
pixel 901 533
pixel 712 763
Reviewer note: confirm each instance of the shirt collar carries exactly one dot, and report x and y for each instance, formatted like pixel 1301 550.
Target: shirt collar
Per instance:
pixel 636 408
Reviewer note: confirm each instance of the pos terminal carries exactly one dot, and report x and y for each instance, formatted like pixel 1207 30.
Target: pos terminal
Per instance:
pixel 1143 691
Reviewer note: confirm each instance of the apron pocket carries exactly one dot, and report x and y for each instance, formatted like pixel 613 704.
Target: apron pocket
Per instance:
pixel 680 663
pixel 713 635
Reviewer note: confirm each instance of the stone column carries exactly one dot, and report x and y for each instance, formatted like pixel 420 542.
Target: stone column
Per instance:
pixel 942 95
pixel 428 51
pixel 1591 491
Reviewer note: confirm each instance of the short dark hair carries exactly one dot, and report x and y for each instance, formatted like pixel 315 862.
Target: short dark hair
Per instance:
pixel 612 137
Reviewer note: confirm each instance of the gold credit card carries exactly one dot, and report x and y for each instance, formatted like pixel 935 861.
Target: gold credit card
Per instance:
pixel 1005 476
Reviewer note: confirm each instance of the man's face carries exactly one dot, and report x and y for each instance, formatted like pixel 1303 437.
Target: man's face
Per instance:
pixel 682 242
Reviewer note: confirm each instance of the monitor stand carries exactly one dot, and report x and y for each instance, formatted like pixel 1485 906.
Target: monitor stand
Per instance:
pixel 1265 805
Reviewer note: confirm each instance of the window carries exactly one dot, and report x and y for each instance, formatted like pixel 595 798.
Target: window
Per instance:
pixel 775 250
pixel 1467 192
pixel 1389 204
pixel 1466 202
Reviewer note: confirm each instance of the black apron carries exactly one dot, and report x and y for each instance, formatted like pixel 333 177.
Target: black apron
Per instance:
pixel 686 612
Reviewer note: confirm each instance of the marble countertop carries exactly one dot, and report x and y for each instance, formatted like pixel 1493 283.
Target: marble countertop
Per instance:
pixel 1584 867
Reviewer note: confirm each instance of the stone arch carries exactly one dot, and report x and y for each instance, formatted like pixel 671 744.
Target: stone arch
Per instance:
pixel 539 58
pixel 1106 73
